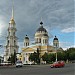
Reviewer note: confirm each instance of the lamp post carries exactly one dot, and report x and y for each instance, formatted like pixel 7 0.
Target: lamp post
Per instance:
pixel 56 51
pixel 56 45
pixel 56 54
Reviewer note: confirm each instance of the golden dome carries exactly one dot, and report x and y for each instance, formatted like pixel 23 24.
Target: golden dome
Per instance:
pixel 12 21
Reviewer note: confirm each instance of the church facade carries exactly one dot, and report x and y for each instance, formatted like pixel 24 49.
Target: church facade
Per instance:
pixel 41 43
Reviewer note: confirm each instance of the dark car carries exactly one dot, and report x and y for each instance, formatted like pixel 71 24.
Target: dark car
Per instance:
pixel 58 64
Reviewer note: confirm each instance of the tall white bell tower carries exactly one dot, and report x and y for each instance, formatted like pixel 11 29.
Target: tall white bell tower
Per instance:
pixel 11 40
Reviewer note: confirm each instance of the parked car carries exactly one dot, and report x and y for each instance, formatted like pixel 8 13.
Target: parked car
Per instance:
pixel 57 64
pixel 19 63
pixel 8 63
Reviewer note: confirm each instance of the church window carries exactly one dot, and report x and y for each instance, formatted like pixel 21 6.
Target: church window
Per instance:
pixel 26 44
pixel 9 33
pixel 39 40
pixel 14 33
pixel 43 41
pixel 8 41
pixel 14 42
pixel 20 58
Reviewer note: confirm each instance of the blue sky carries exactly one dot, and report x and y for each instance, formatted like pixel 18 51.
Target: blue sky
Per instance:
pixel 57 16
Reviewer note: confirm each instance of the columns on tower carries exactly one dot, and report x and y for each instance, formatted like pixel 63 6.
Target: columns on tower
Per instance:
pixel 26 41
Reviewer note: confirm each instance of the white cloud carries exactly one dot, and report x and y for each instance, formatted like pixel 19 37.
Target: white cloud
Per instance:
pixel 3 25
pixel 66 45
pixel 20 46
pixel 67 30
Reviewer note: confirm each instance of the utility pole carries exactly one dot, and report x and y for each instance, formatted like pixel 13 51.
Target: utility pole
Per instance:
pixel 56 51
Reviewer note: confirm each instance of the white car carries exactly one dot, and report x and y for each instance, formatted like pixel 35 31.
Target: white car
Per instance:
pixel 19 63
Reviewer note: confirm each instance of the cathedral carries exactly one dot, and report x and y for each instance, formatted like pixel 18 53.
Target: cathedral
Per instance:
pixel 41 43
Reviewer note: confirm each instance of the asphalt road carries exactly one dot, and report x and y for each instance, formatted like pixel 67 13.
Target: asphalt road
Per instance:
pixel 38 70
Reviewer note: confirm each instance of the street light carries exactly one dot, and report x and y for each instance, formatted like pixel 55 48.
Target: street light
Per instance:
pixel 56 51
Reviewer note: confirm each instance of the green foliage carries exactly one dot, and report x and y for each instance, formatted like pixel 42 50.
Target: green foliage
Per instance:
pixel 12 58
pixel 68 54
pixel 72 56
pixel 60 56
pixel 51 57
pixel 48 57
pixel 45 57
pixel 35 57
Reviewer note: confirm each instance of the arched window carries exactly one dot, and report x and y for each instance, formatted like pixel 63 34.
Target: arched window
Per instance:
pixel 45 41
pixel 26 44
pixel 8 41
pixel 14 33
pixel 9 33
pixel 14 42
pixel 39 40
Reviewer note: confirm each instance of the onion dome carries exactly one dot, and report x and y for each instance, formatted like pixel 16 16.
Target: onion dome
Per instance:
pixel 55 38
pixel 12 21
pixel 26 37
pixel 41 28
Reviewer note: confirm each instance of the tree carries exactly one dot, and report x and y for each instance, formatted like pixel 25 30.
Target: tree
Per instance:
pixel 72 56
pixel 60 56
pixel 45 57
pixel 35 57
pixel 52 57
pixel 48 57
pixel 13 58
pixel 70 53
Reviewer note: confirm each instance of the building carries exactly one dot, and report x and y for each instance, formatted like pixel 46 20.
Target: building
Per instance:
pixel 1 59
pixel 41 43
pixel 11 40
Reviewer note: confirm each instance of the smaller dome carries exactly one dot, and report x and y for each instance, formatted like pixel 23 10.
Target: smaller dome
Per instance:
pixel 55 38
pixel 41 22
pixel 12 21
pixel 26 37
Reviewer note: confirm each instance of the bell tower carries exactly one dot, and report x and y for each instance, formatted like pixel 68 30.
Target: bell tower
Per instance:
pixel 11 41
pixel 26 41
pixel 56 42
